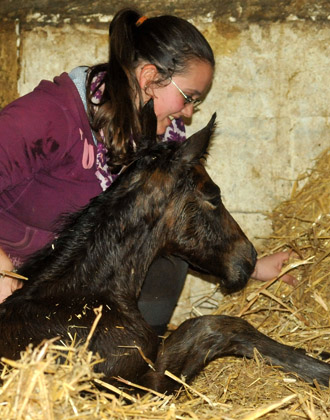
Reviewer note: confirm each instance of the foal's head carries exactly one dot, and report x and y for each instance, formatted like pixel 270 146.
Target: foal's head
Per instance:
pixel 181 208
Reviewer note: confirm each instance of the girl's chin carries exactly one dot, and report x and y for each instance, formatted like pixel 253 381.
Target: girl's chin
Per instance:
pixel 162 126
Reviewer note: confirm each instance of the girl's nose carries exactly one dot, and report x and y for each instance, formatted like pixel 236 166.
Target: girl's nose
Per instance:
pixel 188 110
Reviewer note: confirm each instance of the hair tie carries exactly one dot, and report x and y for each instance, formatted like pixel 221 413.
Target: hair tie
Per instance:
pixel 140 21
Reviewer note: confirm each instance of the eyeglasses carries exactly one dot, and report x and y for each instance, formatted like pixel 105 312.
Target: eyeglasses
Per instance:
pixel 187 99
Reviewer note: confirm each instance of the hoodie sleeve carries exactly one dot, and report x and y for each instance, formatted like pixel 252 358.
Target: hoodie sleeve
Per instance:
pixel 33 136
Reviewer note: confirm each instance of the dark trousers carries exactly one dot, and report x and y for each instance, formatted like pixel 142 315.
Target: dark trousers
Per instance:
pixel 161 291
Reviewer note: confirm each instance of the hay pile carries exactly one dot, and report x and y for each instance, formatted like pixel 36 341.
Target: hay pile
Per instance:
pixel 37 387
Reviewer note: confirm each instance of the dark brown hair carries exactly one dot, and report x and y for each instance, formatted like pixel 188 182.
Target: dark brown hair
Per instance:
pixel 169 43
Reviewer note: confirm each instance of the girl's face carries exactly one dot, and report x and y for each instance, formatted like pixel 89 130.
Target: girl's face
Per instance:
pixel 169 102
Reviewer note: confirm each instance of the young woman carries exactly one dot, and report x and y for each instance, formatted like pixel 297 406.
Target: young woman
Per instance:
pixel 66 141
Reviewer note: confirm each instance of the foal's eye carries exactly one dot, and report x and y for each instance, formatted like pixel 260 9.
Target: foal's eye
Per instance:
pixel 215 201
pixel 211 194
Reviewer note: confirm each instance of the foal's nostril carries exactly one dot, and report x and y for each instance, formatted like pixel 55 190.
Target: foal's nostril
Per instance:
pixel 240 266
pixel 250 261
pixel 254 255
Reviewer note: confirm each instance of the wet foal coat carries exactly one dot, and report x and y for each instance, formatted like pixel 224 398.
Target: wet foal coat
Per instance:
pixel 164 203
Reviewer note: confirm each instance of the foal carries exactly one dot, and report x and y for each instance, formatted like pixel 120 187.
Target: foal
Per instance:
pixel 164 203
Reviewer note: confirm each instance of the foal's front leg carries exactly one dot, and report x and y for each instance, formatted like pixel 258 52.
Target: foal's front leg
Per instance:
pixel 198 341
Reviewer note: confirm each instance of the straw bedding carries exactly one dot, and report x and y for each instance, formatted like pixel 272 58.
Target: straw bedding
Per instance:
pixel 38 387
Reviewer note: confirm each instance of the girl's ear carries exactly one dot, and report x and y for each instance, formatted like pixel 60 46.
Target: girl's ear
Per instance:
pixel 148 74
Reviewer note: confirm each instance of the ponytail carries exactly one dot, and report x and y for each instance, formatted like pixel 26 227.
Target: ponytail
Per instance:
pixel 167 42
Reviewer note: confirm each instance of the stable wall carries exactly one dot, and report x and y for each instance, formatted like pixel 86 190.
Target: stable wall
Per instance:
pixel 271 87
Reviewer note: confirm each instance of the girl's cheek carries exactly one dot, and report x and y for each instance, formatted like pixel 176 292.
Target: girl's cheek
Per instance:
pixel 164 106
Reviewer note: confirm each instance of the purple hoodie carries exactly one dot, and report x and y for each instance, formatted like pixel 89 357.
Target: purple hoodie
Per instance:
pixel 49 164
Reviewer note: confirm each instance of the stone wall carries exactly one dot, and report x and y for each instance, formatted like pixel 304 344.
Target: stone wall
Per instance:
pixel 271 88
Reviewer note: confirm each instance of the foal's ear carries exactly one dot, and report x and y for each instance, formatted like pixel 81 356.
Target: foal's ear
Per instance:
pixel 148 121
pixel 196 145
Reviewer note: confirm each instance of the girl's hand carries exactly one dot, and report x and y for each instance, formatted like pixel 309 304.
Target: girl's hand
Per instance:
pixel 7 284
pixel 270 266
